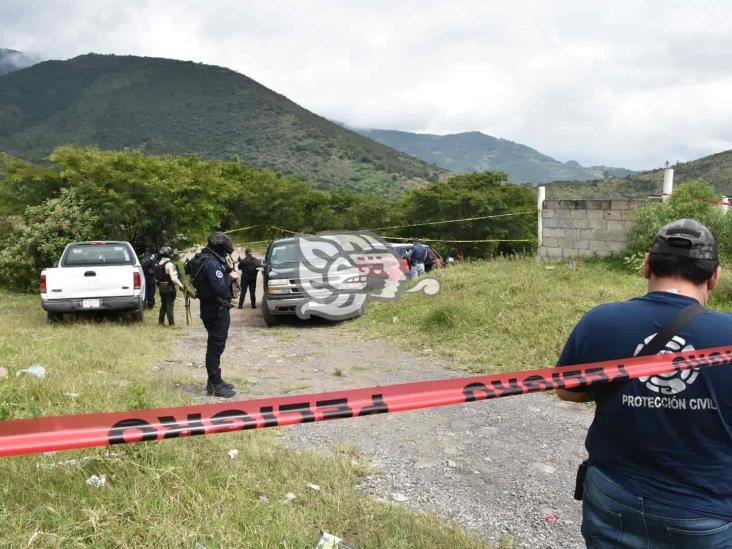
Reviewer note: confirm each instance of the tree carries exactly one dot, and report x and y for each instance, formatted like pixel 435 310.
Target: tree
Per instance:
pixel 695 199
pixel 24 184
pixel 473 195
pixel 37 237
pixel 141 198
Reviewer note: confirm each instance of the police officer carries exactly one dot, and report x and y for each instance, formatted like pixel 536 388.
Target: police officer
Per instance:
pixel 249 269
pixel 168 280
pixel 215 292
pixel 147 262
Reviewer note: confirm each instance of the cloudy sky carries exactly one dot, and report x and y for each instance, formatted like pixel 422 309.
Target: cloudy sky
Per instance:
pixel 628 83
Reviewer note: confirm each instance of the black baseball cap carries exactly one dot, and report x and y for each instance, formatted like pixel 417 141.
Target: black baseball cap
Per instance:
pixel 686 238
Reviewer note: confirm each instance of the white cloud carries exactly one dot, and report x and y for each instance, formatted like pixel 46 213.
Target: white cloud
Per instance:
pixel 625 82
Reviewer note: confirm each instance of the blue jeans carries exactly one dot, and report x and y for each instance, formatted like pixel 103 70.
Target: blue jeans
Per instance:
pixel 614 517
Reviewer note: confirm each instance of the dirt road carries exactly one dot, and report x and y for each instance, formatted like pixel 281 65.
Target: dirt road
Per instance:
pixel 502 468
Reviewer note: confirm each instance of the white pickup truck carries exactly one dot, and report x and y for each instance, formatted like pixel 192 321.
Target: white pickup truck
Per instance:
pixel 94 276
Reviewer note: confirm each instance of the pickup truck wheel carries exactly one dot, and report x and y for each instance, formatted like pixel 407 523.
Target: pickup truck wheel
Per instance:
pixel 55 318
pixel 269 319
pixel 138 315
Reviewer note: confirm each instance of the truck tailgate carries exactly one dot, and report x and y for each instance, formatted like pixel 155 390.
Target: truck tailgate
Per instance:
pixel 89 282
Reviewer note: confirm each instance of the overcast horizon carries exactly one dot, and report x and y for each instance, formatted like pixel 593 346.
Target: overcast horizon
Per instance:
pixel 626 83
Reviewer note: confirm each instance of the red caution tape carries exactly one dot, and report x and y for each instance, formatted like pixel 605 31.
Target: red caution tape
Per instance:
pixel 28 436
pixel 712 201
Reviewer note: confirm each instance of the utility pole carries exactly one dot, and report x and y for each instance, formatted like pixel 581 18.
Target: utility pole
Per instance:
pixel 540 196
pixel 668 182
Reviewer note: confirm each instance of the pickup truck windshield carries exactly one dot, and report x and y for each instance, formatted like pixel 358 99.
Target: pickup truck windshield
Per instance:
pixel 84 255
pixel 284 255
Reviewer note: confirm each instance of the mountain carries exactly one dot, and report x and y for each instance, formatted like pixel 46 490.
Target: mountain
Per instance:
pixel 477 152
pixel 179 107
pixel 12 60
pixel 716 169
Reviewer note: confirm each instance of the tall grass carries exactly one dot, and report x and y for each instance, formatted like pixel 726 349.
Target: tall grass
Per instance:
pixel 499 315
pixel 507 314
pixel 178 493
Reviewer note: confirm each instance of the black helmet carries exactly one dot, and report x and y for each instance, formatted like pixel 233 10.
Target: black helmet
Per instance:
pixel 248 251
pixel 165 251
pixel 221 242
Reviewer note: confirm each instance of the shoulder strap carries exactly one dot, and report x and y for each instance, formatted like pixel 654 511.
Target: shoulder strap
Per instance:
pixel 656 345
pixel 194 276
pixel 672 328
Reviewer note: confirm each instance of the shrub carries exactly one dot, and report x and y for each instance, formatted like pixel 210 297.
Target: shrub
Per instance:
pixel 36 238
pixel 693 200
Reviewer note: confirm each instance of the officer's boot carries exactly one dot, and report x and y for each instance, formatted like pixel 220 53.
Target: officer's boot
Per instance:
pixel 220 389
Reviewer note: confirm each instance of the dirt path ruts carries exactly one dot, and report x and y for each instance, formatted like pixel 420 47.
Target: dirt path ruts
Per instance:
pixel 498 468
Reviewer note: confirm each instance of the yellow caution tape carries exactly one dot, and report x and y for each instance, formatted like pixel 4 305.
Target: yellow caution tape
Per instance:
pixel 454 220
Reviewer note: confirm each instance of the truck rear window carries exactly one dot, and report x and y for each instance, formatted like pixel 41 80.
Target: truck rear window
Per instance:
pixel 80 255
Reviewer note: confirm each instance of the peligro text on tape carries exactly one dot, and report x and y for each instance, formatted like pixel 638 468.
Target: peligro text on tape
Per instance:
pixel 27 436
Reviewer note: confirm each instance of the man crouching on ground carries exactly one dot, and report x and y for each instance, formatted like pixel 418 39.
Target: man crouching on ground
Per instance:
pixel 659 476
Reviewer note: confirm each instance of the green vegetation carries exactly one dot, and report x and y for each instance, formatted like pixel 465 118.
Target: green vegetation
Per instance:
pixel 164 198
pixel 38 236
pixel 176 493
pixel 715 169
pixel 477 152
pixel 506 314
pixel 474 195
pixel 173 107
pixel 501 315
pixel 93 194
pixel 692 200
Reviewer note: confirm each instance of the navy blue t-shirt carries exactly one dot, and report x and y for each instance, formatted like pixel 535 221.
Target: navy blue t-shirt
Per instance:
pixel 666 437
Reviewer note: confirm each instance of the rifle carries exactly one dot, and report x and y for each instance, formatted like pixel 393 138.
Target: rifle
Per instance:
pixel 187 297
pixel 231 266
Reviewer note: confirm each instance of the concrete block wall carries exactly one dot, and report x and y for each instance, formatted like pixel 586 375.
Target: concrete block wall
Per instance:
pixel 585 228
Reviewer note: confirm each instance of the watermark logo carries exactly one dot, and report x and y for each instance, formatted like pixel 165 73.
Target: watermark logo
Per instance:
pixel 341 272
pixel 671 383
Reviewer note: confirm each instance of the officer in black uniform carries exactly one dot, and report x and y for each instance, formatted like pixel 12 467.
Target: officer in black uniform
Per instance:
pixel 147 262
pixel 215 292
pixel 248 282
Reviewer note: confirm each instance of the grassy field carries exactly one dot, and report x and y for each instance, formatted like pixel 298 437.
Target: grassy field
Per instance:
pixel 180 493
pixel 504 315
pixel 493 316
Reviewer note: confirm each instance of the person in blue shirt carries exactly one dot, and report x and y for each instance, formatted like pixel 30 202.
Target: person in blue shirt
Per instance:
pixel 660 447
pixel 214 286
pixel 417 259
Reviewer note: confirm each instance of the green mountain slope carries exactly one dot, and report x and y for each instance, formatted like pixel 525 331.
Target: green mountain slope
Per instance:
pixel 716 169
pixel 177 107
pixel 477 152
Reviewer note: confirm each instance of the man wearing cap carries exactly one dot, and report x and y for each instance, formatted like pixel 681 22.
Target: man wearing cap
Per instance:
pixel 249 267
pixel 660 447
